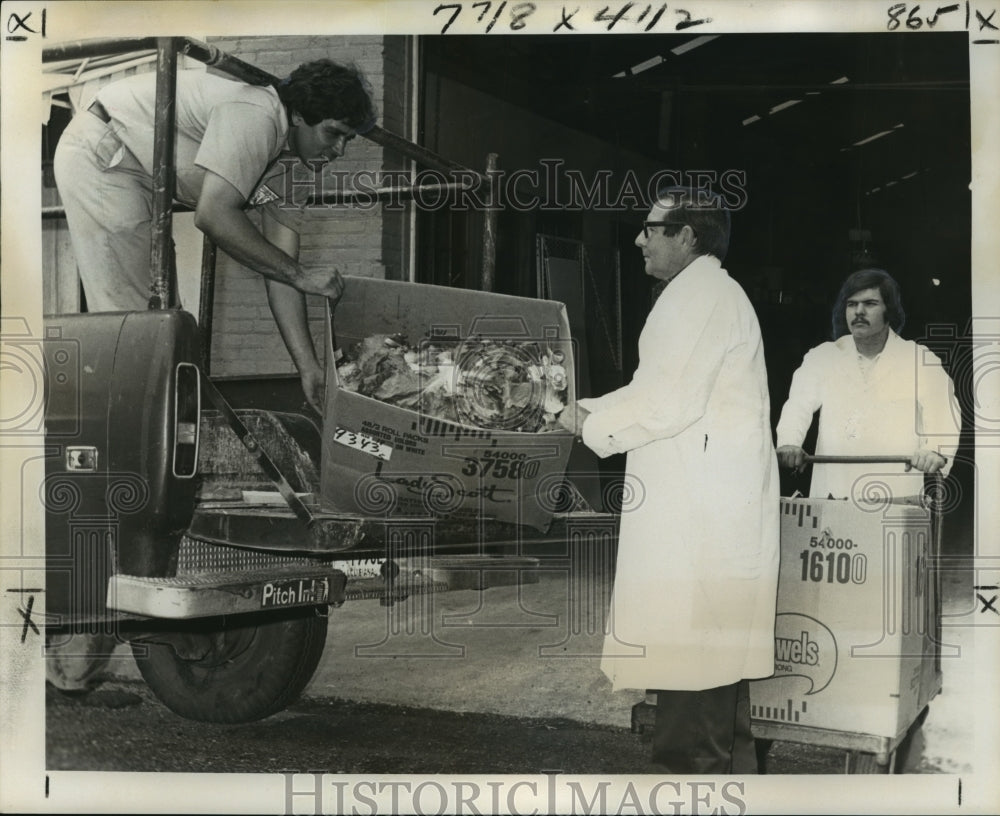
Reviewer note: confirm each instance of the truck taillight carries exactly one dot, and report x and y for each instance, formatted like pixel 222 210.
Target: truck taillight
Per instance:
pixel 187 416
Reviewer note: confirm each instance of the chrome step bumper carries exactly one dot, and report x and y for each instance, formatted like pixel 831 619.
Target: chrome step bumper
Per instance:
pixel 291 582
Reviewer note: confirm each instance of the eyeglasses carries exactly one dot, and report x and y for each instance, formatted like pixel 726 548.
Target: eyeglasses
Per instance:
pixel 670 228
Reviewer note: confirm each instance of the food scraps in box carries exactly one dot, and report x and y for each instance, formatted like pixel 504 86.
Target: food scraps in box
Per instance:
pixel 497 384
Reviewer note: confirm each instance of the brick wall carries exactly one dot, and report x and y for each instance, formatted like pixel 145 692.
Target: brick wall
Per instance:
pixel 364 242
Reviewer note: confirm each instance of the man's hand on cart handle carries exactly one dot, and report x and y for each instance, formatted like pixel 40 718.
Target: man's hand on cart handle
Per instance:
pixel 927 460
pixel 792 457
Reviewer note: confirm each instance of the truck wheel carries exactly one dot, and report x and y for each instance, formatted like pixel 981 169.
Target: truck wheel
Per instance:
pixel 233 669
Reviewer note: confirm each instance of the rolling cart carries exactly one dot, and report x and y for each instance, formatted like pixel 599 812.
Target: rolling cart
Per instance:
pixel 857 630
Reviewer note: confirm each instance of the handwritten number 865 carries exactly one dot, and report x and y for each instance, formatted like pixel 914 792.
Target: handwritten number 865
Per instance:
pixel 897 10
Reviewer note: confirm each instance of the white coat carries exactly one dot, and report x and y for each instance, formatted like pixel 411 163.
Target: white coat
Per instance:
pixel 905 402
pixel 696 580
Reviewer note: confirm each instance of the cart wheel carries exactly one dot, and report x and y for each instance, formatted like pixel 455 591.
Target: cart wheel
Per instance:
pixel 762 747
pixel 903 751
pixel 643 717
pixel 233 669
pixel 860 762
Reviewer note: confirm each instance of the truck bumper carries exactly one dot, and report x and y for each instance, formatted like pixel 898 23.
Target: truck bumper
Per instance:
pixel 225 593
pixel 216 580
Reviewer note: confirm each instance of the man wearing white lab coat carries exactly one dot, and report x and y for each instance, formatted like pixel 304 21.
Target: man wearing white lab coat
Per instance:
pixel 697 570
pixel 877 394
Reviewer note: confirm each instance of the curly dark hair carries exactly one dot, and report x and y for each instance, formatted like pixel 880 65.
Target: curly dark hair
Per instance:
pixel 702 210
pixel 324 89
pixel 869 279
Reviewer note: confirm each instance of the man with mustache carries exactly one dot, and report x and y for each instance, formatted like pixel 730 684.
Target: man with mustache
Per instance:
pixel 877 394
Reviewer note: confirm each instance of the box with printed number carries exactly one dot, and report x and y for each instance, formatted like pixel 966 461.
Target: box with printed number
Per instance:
pixel 480 437
pixel 856 640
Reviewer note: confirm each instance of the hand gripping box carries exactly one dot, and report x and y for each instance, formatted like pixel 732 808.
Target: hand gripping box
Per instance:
pixel 383 460
pixel 856 640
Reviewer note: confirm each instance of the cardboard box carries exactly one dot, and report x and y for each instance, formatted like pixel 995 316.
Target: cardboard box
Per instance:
pixel 856 647
pixel 381 460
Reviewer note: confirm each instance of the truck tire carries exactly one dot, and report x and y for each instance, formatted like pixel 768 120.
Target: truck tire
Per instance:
pixel 233 669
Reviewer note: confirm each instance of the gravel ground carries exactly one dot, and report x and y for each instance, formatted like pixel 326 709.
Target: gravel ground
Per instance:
pixel 500 681
pixel 122 727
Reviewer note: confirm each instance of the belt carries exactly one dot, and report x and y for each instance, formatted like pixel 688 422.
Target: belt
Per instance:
pixel 99 111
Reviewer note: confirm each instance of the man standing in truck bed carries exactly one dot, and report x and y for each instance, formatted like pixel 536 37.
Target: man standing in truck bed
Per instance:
pixel 235 148
pixel 235 145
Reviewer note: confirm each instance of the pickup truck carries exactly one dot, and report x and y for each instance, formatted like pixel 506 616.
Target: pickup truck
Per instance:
pixel 189 528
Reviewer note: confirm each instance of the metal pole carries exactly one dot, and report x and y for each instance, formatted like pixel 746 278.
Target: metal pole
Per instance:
pixel 213 57
pixel 490 232
pixel 161 251
pixel 937 521
pixel 389 193
pixel 96 48
pixel 861 460
pixel 58 211
pixel 206 301
pixel 421 155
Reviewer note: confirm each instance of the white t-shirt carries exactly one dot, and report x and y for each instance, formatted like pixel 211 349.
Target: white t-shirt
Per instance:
pixel 235 130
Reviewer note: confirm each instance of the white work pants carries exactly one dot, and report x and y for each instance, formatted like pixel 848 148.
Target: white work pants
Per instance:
pixel 108 201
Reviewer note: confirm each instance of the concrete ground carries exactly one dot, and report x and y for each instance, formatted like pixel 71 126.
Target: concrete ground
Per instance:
pixel 516 651
pixel 533 651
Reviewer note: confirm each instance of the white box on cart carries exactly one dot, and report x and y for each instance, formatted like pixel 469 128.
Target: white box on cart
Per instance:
pixel 856 647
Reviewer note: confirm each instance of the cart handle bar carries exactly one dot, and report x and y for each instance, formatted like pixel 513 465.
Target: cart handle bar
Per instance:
pixel 859 460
